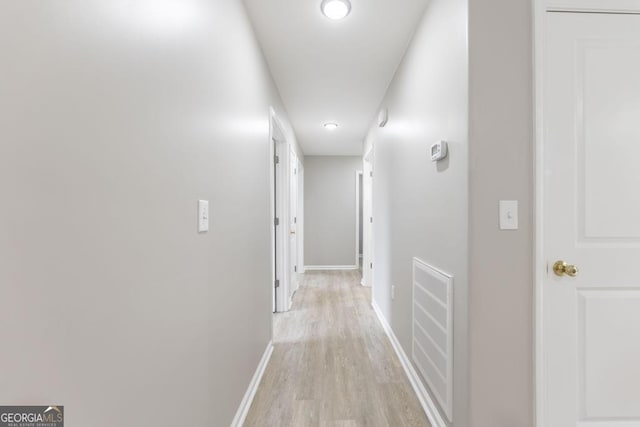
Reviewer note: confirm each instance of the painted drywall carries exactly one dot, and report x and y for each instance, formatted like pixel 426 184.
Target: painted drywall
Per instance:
pixel 501 162
pixel 330 210
pixel 420 207
pixel 115 118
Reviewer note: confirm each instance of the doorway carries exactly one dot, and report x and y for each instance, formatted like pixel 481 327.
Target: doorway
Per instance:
pixel 359 220
pixel 277 140
pixel 300 221
pixel 588 238
pixel 286 218
pixel 293 221
pixel 367 226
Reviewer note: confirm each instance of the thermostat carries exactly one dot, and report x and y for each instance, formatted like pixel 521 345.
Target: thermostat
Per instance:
pixel 383 117
pixel 438 151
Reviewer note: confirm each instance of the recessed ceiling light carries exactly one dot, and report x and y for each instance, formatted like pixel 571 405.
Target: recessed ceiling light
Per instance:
pixel 331 126
pixel 335 9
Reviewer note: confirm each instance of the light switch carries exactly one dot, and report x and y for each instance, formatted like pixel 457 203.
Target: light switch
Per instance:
pixel 203 216
pixel 508 214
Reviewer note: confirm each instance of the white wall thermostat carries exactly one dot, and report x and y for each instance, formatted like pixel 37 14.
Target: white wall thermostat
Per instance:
pixel 438 151
pixel 383 117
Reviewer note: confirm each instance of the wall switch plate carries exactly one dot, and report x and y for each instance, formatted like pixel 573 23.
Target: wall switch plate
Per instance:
pixel 393 292
pixel 508 214
pixel 203 216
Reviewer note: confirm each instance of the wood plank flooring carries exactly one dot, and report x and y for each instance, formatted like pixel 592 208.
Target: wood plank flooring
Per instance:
pixel 332 363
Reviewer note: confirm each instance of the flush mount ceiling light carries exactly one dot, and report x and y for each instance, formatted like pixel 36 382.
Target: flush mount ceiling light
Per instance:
pixel 331 126
pixel 335 9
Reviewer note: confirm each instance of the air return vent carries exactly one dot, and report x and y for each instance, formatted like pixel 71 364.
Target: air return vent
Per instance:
pixel 432 347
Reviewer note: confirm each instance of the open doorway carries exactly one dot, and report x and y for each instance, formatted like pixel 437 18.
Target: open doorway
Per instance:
pixel 359 220
pixel 300 221
pixel 367 219
pixel 277 139
pixel 286 216
pixel 293 221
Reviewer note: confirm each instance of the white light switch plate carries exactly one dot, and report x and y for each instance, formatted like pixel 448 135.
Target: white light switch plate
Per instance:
pixel 508 214
pixel 203 216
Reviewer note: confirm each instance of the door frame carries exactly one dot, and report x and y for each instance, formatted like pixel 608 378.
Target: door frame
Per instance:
pixel 367 212
pixel 293 176
pixel 279 209
pixel 300 227
pixel 359 174
pixel 540 10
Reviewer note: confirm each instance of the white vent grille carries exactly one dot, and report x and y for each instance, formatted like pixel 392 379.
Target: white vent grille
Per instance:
pixel 432 346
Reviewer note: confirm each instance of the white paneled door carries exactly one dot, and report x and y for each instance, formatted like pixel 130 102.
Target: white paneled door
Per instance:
pixel 590 368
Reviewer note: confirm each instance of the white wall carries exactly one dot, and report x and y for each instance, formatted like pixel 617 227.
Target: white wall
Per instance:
pixel 501 160
pixel 115 118
pixel 330 210
pixel 420 207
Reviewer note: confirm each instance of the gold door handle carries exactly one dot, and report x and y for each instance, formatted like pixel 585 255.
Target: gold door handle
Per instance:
pixel 561 268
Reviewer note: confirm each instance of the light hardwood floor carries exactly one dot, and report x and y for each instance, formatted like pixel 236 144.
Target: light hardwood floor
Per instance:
pixel 332 363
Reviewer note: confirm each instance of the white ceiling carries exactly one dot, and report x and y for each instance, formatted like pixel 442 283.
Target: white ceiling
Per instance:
pixel 333 71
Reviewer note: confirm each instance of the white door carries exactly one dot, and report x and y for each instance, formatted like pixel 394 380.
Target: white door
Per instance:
pixel 280 238
pixel 293 221
pixel 591 219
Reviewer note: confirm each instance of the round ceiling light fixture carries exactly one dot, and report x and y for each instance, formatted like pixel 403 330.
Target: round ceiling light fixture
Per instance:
pixel 331 126
pixel 335 9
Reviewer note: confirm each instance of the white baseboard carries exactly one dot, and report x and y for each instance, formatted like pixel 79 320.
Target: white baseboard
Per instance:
pixel 330 267
pixel 428 404
pixel 243 410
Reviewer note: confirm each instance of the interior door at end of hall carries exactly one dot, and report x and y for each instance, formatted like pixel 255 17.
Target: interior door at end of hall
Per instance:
pixel 591 221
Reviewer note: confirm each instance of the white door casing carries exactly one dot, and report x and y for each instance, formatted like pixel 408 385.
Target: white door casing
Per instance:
pixel 588 345
pixel 359 217
pixel 300 222
pixel 293 219
pixel 281 214
pixel 367 213
pixel 280 240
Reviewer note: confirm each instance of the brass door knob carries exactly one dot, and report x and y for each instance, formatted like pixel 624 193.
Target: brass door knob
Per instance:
pixel 561 268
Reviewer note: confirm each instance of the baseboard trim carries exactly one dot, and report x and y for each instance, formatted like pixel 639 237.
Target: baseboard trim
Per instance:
pixel 428 404
pixel 330 267
pixel 243 410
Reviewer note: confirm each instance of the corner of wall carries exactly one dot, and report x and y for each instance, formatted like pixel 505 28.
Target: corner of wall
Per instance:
pixel 501 168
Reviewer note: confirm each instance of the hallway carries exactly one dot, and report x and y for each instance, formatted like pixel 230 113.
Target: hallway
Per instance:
pixel 332 364
pixel 175 172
